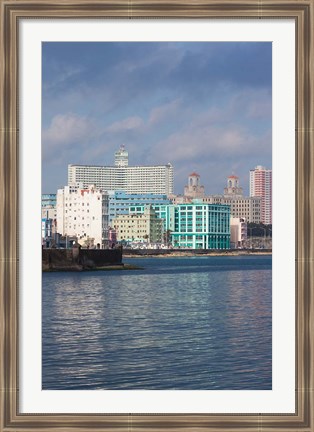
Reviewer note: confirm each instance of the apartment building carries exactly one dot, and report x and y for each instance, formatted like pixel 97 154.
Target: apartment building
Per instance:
pixel 261 186
pixel 83 212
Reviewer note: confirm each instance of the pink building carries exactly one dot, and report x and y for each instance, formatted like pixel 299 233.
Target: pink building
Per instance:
pixel 261 186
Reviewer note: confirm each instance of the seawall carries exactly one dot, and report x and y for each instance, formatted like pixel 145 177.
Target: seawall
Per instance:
pixel 77 259
pixel 194 252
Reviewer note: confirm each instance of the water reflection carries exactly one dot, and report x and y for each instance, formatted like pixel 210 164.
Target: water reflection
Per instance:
pixel 179 324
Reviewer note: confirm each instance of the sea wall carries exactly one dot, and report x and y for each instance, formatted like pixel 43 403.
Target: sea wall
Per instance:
pixel 77 259
pixel 194 252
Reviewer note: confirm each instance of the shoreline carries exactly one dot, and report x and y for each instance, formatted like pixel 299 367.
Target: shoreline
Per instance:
pixel 164 253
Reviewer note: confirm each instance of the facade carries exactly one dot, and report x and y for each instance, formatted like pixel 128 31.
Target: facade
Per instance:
pixel 238 231
pixel 48 200
pixel 49 206
pixel 248 208
pixel 155 179
pixel 139 226
pixel 193 225
pixel 261 186
pixel 194 189
pixel 83 212
pixel 201 226
pixel 120 202
pixel 48 232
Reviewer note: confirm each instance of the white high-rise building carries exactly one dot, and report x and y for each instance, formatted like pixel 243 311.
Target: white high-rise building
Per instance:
pixel 261 186
pixel 83 212
pixel 154 179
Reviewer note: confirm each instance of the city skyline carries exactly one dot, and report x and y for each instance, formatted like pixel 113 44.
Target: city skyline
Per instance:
pixel 203 107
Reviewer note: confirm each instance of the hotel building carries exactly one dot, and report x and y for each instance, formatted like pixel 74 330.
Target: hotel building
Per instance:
pixel 155 179
pixel 83 212
pixel 261 186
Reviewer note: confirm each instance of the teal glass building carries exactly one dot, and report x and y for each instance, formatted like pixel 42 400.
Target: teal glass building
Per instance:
pixel 201 226
pixel 194 225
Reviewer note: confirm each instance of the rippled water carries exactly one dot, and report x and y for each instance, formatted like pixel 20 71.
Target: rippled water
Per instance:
pixel 181 323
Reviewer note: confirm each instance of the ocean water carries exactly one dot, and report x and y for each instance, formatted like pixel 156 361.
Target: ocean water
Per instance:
pixel 202 323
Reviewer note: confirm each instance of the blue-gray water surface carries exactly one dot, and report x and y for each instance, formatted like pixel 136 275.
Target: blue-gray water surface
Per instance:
pixel 181 323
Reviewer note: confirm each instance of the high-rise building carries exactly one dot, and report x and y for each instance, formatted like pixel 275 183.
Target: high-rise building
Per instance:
pixel 83 212
pixel 152 179
pixel 261 186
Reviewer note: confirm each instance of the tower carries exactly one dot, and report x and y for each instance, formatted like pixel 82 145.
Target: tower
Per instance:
pixel 261 186
pixel 121 157
pixel 233 187
pixel 194 189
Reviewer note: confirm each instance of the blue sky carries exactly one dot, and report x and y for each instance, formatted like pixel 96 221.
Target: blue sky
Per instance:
pixel 202 106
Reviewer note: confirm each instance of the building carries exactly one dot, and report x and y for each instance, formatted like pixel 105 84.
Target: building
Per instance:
pixel 142 226
pixel 83 212
pixel 121 157
pixel 194 189
pixel 248 208
pixel 193 225
pixel 201 226
pixel 154 179
pixel 49 206
pixel 121 202
pixel 261 186
pixel 238 232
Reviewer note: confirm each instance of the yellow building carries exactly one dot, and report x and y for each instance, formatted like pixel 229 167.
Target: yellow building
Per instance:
pixel 143 227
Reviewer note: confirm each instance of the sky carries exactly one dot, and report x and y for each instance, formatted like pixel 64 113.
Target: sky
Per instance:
pixel 205 107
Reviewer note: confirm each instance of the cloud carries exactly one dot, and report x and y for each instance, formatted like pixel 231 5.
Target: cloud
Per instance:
pixel 164 112
pixel 67 128
pixel 126 124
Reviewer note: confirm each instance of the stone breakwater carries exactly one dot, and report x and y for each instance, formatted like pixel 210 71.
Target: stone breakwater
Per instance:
pixel 77 259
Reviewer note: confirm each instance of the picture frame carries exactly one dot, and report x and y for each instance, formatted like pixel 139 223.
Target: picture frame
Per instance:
pixel 11 13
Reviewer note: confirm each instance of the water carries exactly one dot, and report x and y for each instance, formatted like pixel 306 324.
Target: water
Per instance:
pixel 181 323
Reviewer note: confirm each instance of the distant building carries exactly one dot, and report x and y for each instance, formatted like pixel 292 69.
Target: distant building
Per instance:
pixel 153 179
pixel 120 202
pixel 194 189
pixel 49 206
pixel 194 225
pixel 248 208
pixel 48 200
pixel 238 231
pixel 121 157
pixel 83 212
pixel 201 226
pixel 139 227
pixel 261 186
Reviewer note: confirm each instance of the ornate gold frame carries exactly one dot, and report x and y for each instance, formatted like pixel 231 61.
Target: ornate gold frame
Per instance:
pixel 10 13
